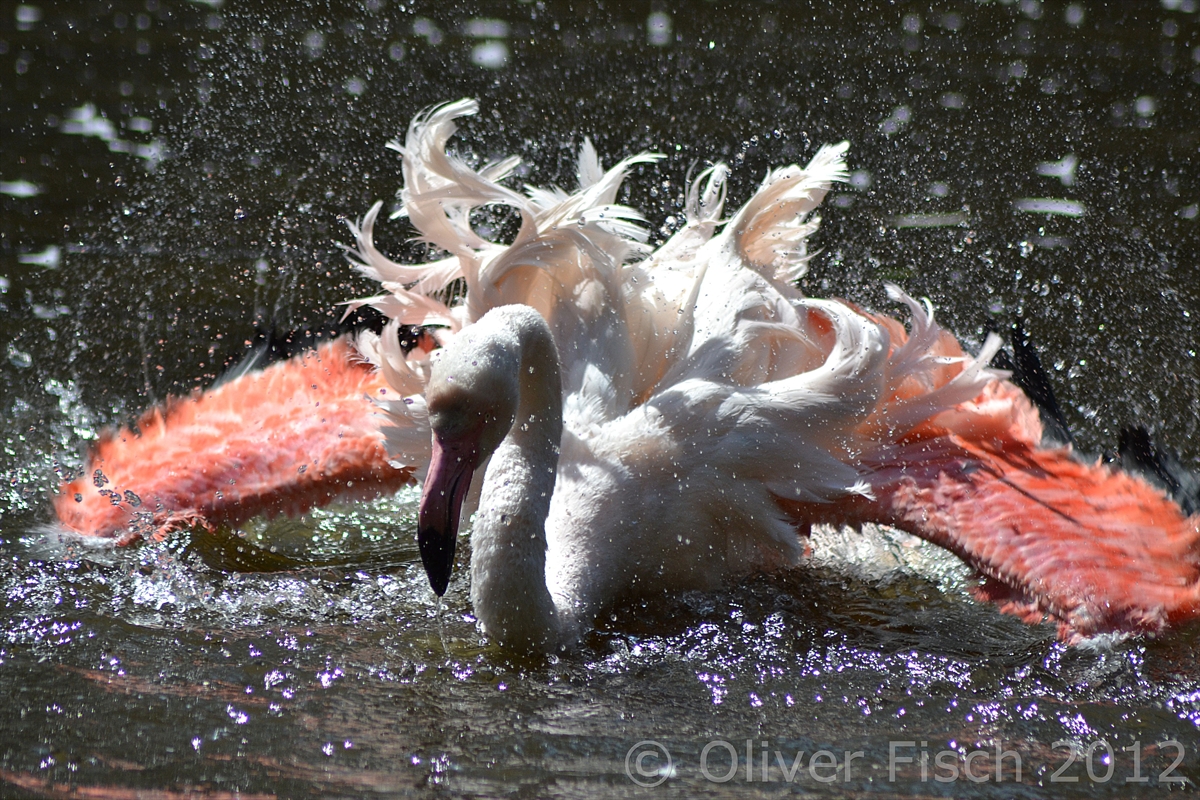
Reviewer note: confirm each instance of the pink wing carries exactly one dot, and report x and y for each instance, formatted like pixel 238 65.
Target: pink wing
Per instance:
pixel 289 438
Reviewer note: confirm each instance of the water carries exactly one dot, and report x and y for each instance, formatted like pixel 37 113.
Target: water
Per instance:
pixel 171 174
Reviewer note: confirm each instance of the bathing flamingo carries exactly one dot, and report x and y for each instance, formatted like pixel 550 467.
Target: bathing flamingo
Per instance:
pixel 656 421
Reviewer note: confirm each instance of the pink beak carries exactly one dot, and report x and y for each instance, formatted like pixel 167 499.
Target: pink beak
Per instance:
pixel 446 485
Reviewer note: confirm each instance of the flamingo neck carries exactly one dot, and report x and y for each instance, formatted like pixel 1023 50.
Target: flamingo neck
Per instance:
pixel 508 539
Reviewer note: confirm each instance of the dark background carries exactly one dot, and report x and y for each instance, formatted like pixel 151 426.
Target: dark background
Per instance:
pixel 176 174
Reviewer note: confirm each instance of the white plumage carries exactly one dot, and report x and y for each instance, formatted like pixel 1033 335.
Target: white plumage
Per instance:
pixel 698 386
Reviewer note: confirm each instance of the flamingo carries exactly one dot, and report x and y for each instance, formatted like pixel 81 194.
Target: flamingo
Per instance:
pixel 655 421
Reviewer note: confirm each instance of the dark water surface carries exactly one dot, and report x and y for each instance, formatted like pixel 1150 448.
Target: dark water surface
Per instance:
pixel 174 174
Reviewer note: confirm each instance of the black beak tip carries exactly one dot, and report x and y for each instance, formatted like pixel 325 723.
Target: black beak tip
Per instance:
pixel 437 554
pixel 438 581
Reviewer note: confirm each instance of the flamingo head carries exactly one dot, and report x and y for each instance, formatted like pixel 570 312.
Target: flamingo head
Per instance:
pixel 472 398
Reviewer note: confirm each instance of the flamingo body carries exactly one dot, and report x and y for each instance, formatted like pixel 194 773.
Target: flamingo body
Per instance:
pixel 648 421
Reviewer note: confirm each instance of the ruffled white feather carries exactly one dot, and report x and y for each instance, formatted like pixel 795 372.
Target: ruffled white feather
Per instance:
pixel 703 354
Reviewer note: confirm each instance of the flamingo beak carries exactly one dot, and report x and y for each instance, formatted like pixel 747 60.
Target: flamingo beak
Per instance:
pixel 446 484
